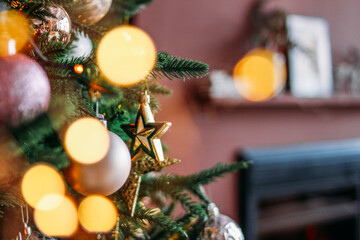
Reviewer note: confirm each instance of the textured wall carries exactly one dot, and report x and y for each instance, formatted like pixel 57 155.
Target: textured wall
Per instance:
pixel 216 32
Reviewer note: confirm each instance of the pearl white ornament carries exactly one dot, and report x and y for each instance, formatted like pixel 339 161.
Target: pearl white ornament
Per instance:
pixel 105 176
pixel 81 47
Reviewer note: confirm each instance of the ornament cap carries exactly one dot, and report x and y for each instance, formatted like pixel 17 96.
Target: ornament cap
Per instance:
pixel 213 210
pixel 144 98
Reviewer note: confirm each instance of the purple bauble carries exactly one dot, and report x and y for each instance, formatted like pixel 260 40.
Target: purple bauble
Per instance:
pixel 24 89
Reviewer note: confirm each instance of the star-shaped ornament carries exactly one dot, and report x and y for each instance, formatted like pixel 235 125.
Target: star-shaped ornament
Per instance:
pixel 141 165
pixel 145 133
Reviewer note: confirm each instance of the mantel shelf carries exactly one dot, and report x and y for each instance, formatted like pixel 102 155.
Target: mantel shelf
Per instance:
pixel 289 101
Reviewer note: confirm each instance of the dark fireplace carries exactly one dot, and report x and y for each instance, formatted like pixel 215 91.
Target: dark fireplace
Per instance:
pixel 301 192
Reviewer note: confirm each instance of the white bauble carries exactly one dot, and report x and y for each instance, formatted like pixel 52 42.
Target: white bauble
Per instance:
pixel 105 176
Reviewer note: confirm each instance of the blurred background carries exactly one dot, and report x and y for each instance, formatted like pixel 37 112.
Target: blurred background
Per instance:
pixel 208 129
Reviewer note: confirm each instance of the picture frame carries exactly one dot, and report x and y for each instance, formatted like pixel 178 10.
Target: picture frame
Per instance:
pixel 310 62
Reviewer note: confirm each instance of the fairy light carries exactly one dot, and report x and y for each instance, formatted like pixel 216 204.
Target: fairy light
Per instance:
pixel 79 69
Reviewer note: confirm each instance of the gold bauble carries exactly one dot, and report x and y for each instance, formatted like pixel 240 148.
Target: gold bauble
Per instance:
pixel 58 26
pixel 90 11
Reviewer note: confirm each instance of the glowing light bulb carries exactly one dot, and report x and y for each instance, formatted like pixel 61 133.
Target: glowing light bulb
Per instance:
pixel 126 55
pixel 97 214
pixel 260 75
pixel 14 32
pixel 79 69
pixel 40 181
pixel 59 221
pixel 87 141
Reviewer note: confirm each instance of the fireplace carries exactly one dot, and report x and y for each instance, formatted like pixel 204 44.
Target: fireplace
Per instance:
pixel 301 192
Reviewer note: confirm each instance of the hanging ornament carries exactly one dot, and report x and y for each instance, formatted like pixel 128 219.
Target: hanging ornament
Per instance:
pixel 90 11
pixel 105 176
pixel 145 135
pixel 81 46
pixel 220 227
pixel 57 25
pixel 25 89
pixel 13 27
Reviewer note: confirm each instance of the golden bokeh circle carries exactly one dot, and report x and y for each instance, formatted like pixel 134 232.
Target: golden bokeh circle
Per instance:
pixel 59 221
pixel 39 181
pixel 97 214
pixel 14 32
pixel 126 55
pixel 87 140
pixel 260 75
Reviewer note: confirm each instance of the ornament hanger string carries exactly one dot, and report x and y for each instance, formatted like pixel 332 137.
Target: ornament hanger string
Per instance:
pixel 38 53
pixel 96 97
pixel 25 220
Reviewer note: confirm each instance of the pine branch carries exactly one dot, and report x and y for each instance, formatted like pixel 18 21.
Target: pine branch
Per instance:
pixel 159 89
pixel 8 200
pixel 176 67
pixel 157 217
pixel 30 134
pixel 204 177
pixel 128 8
pixel 93 31
pixel 194 208
pixel 51 49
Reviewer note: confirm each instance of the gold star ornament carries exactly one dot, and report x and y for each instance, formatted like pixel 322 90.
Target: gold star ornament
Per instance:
pixel 145 133
pixel 146 150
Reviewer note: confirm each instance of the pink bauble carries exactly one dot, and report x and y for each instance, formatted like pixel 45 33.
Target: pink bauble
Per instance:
pixel 24 89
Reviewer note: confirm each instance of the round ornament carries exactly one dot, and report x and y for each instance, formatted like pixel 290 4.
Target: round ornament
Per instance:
pixel 14 30
pixel 260 75
pixel 25 89
pixel 81 46
pixel 220 227
pixel 90 11
pixel 58 25
pixel 105 176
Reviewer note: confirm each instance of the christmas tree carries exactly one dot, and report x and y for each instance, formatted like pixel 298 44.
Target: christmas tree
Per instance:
pixel 81 151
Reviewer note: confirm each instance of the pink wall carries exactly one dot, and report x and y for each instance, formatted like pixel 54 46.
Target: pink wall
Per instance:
pixel 216 32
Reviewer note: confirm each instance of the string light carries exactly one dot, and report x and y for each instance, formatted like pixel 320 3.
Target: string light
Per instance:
pixel 79 69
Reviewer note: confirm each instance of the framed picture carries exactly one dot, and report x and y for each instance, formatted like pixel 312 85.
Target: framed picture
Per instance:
pixel 310 64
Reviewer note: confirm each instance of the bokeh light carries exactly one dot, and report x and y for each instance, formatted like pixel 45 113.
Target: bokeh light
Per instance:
pixel 14 29
pixel 40 181
pixel 60 221
pixel 126 55
pixel 86 140
pixel 79 69
pixel 97 214
pixel 260 75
